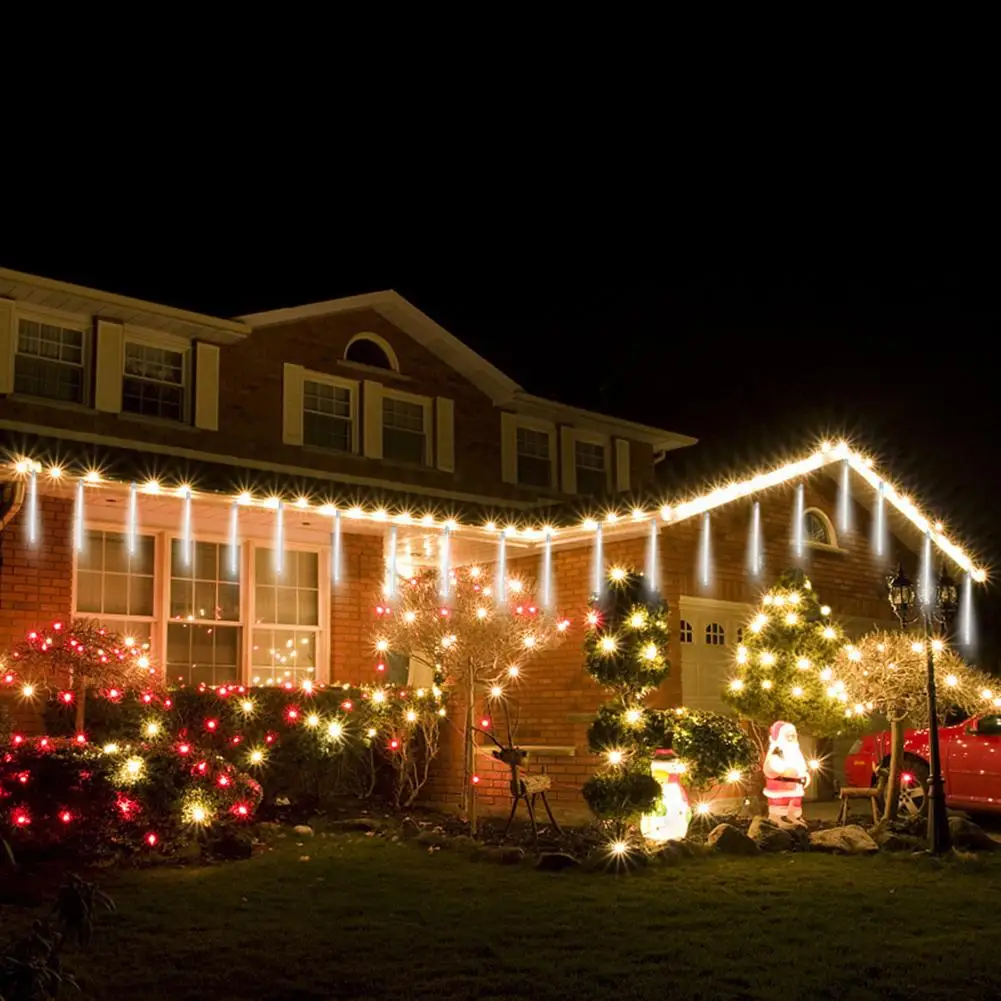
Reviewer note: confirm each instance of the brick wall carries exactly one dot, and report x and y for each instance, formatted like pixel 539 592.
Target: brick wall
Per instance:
pixel 35 586
pixel 250 409
pixel 352 617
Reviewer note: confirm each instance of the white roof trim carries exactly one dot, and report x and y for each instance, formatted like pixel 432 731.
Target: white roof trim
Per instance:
pixel 52 294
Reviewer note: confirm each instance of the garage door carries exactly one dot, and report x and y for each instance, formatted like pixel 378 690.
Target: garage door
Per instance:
pixel 710 632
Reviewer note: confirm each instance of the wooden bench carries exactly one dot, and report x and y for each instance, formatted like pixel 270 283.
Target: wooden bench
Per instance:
pixel 872 793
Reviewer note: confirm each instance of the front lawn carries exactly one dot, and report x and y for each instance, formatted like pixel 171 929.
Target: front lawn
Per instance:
pixel 367 918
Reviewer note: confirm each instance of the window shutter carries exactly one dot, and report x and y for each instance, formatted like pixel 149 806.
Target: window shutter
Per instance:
pixel 292 405
pixel 207 386
pixel 8 345
pixel 621 465
pixel 568 460
pixel 445 434
pixel 108 366
pixel 509 448
pixel 372 424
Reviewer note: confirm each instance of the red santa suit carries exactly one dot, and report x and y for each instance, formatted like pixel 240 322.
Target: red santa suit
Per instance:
pixel 786 774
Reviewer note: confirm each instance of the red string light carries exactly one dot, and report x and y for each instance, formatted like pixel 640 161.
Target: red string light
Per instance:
pixel 66 817
pixel 152 839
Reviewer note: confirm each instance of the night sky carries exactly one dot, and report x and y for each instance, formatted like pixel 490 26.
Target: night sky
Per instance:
pixel 757 349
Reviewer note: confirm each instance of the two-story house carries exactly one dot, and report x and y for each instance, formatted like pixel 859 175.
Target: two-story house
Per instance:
pixel 235 491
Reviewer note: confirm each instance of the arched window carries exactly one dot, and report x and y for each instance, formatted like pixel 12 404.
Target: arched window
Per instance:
pixel 371 350
pixel 817 528
pixel 715 634
pixel 685 632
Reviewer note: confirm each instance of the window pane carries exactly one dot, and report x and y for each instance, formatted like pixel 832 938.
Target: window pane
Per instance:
pixel 309 574
pixel 326 432
pixel 286 608
pixel 92 557
pixel 264 566
pixel 590 481
pixel 49 361
pixel 534 472
pixel 265 604
pixel 180 599
pixel 116 553
pixel 88 591
pixel 140 596
pixel 308 611
pixel 533 443
pixel 403 446
pixel 228 602
pixel 206 560
pixel 205 607
pixel 282 655
pixel 203 654
pixel 153 382
pixel 116 594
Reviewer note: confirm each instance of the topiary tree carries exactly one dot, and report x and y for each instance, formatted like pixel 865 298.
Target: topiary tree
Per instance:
pixel 470 642
pixel 625 650
pixel 887 673
pixel 81 654
pixel 786 663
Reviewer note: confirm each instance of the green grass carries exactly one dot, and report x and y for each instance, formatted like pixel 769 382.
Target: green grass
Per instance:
pixel 366 918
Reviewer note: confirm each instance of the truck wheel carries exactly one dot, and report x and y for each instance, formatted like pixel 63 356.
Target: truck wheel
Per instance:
pixel 913 789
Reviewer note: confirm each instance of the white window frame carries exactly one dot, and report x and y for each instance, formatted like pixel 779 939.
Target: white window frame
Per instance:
pixel 321 630
pixel 427 404
pixel 686 632
pixel 714 634
pixel 832 545
pixel 154 620
pixel 165 342
pixel 549 428
pixel 66 322
pixel 161 597
pixel 593 438
pixel 351 385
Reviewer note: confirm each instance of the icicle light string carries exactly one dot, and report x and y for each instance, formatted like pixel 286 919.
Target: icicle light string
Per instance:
pixel 824 456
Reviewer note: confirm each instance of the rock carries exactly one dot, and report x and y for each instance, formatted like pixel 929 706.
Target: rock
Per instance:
pixel 500 855
pixel 556 862
pixel 188 851
pixel 769 836
pixel 409 829
pixel 360 824
pixel 303 830
pixel 233 845
pixel 849 840
pixel 968 836
pixel 728 839
pixel 432 839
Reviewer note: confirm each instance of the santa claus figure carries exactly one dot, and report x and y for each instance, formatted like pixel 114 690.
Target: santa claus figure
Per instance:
pixel 786 774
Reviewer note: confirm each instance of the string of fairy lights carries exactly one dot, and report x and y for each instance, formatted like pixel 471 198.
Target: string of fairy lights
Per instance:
pixel 611 519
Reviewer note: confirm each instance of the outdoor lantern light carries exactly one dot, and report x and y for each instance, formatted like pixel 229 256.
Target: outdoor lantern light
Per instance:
pixel 903 596
pixel 947 595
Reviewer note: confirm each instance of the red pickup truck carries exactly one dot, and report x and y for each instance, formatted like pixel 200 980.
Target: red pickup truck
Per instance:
pixel 971 764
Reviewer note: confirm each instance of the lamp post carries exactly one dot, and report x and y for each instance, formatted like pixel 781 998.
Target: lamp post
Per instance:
pixel 937 607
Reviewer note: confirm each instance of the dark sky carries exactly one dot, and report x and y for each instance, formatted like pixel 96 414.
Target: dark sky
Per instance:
pixel 754 337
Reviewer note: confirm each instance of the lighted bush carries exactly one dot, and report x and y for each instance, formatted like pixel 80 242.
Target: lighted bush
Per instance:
pixel 87 799
pixel 304 746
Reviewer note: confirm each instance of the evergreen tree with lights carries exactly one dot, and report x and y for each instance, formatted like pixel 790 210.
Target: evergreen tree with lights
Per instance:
pixel 626 651
pixel 785 667
pixel 472 642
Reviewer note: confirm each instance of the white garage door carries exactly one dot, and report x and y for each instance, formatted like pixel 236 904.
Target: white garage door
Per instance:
pixel 710 633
